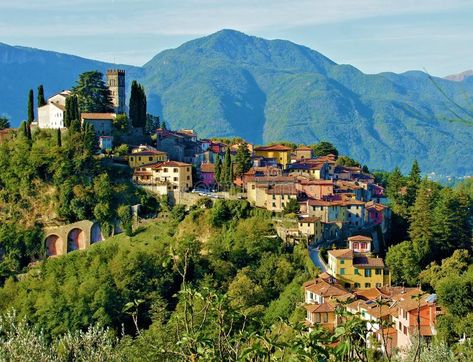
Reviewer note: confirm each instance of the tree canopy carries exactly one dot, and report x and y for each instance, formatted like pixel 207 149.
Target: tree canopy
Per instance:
pixel 92 93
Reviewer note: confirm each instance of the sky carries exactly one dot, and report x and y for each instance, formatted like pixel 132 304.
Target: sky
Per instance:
pixel 373 35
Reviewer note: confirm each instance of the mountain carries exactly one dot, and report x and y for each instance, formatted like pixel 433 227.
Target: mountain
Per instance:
pixel 23 68
pixel 232 84
pixel 460 76
pixel 229 83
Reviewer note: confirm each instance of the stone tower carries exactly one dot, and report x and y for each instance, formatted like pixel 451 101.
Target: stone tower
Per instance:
pixel 116 84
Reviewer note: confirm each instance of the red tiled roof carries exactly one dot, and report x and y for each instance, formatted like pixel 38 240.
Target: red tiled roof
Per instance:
pixel 303 148
pixel 309 220
pixel 320 308
pixel 100 116
pixel 321 287
pixel 342 253
pixel 359 238
pixel 169 164
pixel 280 148
pixel 289 189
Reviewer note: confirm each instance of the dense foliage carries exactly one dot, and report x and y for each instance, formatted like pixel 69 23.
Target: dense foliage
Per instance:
pixel 92 93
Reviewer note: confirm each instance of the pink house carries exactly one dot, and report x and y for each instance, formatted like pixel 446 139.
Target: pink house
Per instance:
pixel 207 173
pixel 375 213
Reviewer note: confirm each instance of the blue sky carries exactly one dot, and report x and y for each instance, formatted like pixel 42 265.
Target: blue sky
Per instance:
pixel 373 35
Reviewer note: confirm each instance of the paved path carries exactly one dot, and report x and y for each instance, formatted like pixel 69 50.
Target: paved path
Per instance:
pixel 314 254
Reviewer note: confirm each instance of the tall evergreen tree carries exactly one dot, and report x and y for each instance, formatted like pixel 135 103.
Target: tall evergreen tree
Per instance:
pixel 227 169
pixel 421 219
pixel 41 100
pixel 242 159
pixel 30 107
pixel 413 183
pixel 218 169
pixel 137 105
pixel 71 111
pixel 58 138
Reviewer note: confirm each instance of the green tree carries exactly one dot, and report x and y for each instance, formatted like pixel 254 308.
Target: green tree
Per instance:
pixel 226 174
pixel 58 138
pixel 324 148
pixel 137 105
pixel 242 159
pixel 126 219
pixel 121 123
pixel 413 183
pixel 71 112
pixel 30 107
pixel 92 93
pixel 41 100
pixel 452 223
pixel 347 161
pixel 404 263
pixel 218 169
pixel 292 207
pixel 4 123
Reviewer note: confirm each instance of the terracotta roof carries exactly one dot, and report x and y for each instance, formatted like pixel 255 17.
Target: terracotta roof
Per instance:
pixel 289 189
pixel 373 205
pixel 156 166
pixel 359 238
pixel 320 308
pixel 207 167
pixel 322 287
pixel 365 262
pixel 280 148
pixel 342 253
pixel 316 182
pixel 99 116
pixel 409 302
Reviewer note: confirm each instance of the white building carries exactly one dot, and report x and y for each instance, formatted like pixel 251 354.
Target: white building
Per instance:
pixel 51 115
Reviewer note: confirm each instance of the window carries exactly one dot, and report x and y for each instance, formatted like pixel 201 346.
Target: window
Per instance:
pixel 399 326
pixel 175 170
pixel 188 169
pixel 316 317
pixel 357 285
pixel 175 187
pixel 132 158
pixel 386 271
pixel 175 179
pixel 367 285
pixel 367 273
pixel 378 271
pixel 150 158
pixel 342 271
pixel 139 158
pixel 342 261
pixel 357 271
pixel 188 177
pixel 274 204
pixel 405 330
pixel 378 285
pixel 165 169
pixel 363 245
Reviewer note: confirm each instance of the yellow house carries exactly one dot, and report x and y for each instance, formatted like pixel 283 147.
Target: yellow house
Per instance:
pixel 357 270
pixel 311 227
pixel 281 153
pixel 176 175
pixel 146 157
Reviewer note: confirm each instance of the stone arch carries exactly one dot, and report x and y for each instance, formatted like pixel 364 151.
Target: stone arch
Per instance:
pixel 76 240
pixel 96 233
pixel 54 245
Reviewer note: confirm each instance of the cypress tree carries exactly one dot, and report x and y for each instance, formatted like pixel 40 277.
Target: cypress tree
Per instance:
pixel 413 182
pixel 218 169
pixel 133 105
pixel 58 138
pixel 41 100
pixel 227 173
pixel 30 107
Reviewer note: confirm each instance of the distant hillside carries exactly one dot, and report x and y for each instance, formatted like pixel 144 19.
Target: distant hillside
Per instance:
pixel 231 84
pixel 23 68
pixel 460 76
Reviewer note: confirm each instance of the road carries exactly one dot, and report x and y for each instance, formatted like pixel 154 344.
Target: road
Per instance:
pixel 314 254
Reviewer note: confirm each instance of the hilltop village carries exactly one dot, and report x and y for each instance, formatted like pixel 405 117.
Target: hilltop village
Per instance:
pixel 326 204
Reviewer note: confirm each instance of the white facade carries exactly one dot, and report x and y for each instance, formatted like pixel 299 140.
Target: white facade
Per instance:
pixel 51 115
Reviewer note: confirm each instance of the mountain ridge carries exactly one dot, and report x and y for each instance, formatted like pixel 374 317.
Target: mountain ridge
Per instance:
pixel 233 84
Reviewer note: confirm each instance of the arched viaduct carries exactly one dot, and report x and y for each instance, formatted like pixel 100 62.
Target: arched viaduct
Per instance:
pixel 77 236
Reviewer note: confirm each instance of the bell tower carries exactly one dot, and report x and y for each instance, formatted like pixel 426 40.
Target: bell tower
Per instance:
pixel 116 84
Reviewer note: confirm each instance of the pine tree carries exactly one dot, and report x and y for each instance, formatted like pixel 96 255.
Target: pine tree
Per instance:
pixel 218 169
pixel 421 219
pixel 93 95
pixel 30 107
pixel 413 182
pixel 242 159
pixel 41 100
pixel 227 168
pixel 58 138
